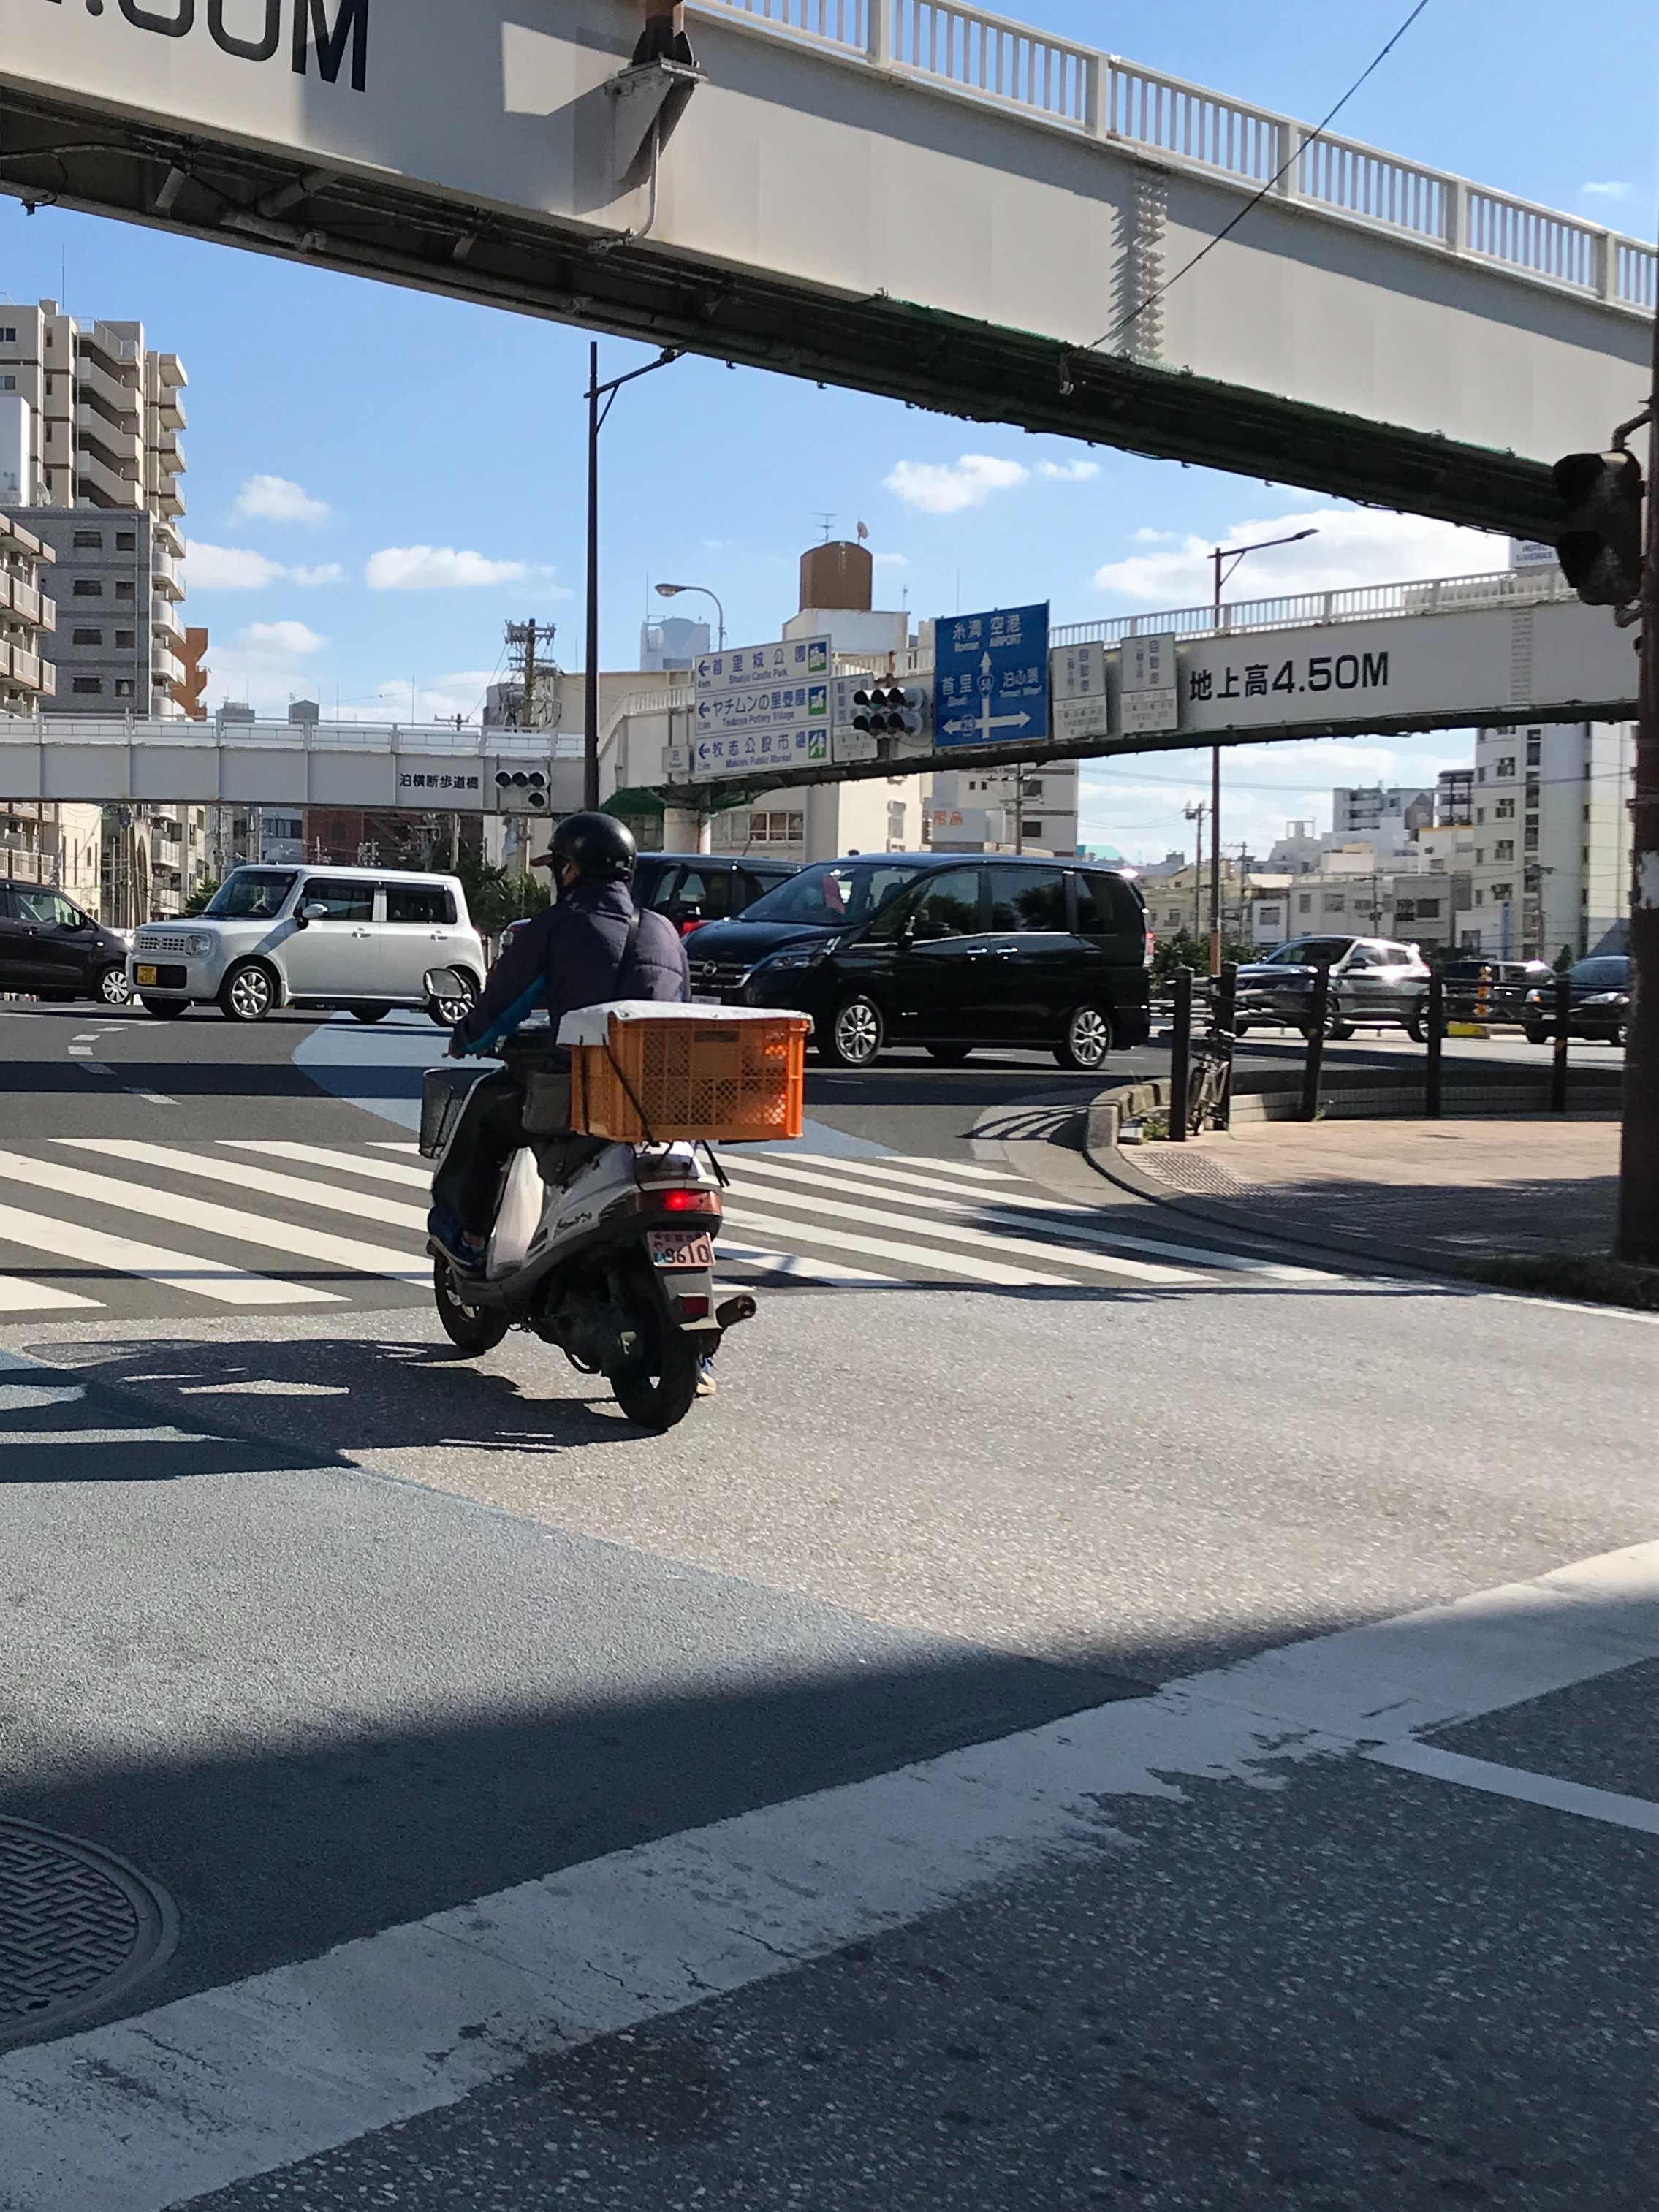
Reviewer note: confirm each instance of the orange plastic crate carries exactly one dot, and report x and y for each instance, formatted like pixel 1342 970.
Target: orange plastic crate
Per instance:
pixel 693 1078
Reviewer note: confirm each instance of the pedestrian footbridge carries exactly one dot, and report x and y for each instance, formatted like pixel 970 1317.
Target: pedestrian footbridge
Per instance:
pixel 917 197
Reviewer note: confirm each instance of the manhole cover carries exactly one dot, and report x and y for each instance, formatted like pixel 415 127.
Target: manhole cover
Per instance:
pixel 78 1926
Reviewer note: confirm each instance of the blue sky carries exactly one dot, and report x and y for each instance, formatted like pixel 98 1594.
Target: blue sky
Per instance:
pixel 337 427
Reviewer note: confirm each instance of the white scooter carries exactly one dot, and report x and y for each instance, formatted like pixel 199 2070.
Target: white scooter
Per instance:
pixel 609 1254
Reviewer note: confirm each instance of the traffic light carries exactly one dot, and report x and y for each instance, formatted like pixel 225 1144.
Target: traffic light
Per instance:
pixel 889 710
pixel 522 787
pixel 1599 542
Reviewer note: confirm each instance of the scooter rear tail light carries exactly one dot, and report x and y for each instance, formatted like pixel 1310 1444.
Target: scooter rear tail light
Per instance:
pixel 689 1201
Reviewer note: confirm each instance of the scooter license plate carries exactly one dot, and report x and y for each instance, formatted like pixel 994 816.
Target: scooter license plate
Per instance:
pixel 680 1248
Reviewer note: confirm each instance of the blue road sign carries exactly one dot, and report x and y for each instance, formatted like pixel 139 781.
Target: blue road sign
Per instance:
pixel 991 678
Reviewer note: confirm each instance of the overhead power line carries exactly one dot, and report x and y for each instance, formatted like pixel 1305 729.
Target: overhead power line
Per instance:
pixel 1256 199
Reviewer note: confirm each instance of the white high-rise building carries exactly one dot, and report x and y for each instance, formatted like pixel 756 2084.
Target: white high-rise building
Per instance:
pixel 89 423
pixel 1552 840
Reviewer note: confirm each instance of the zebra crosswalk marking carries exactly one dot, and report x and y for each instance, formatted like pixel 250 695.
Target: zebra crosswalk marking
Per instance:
pixel 796 1265
pixel 17 1296
pixel 329 1197
pixel 1049 1217
pixel 321 1156
pixel 230 1222
pixel 912 1255
pixel 125 1255
pixel 931 1226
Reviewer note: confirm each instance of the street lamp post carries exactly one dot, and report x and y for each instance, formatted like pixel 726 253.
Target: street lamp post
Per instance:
pixel 595 418
pixel 1225 559
pixel 672 591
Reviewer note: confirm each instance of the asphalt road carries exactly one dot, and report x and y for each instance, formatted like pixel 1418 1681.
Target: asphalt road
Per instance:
pixel 951 1770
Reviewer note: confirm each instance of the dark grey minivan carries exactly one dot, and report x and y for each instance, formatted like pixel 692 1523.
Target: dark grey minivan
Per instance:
pixel 945 952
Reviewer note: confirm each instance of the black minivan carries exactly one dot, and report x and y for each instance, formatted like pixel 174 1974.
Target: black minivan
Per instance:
pixel 945 952
pixel 49 947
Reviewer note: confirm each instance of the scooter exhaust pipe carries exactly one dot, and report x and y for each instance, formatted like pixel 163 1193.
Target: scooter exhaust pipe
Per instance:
pixel 734 1310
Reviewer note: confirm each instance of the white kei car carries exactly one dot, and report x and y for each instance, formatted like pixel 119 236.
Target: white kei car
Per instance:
pixel 358 937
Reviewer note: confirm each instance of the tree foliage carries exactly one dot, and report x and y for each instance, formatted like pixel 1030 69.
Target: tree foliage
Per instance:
pixel 203 892
pixel 1181 949
pixel 494 898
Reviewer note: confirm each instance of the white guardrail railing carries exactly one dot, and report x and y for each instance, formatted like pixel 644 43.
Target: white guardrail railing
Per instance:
pixel 1443 595
pixel 427 740
pixel 986 57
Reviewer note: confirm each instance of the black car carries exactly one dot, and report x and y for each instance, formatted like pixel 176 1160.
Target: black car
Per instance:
pixel 1508 982
pixel 50 948
pixel 1373 980
pixel 948 953
pixel 693 888
pixel 1599 1007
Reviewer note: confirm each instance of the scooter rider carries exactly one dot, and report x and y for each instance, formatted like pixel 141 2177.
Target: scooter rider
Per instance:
pixel 591 944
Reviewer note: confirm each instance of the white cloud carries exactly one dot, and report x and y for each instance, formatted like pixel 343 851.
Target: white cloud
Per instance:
pixel 1068 471
pixel 1354 545
pixel 947 487
pixel 1144 537
pixel 439 699
pixel 276 642
pixel 227 568
pixel 278 499
pixel 889 561
pixel 238 569
pixel 444 567
pixel 1608 192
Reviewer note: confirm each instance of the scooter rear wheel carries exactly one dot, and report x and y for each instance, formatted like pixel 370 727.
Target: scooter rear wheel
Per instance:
pixel 472 1330
pixel 659 1392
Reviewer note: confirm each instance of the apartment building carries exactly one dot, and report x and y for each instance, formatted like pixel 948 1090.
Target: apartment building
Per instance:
pixel 90 440
pixel 1356 810
pixel 29 616
pixel 1552 840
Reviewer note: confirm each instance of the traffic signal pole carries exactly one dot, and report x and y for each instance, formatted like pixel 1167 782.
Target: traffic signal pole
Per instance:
pixel 1638 1158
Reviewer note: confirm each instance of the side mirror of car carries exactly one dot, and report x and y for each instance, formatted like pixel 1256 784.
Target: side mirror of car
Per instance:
pixel 314 910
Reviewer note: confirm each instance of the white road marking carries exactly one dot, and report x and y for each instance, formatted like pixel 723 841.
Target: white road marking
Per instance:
pixel 1075 1223
pixel 394 1145
pixel 327 1197
pixel 913 1254
pixel 155 1263
pixel 1137 1271
pixel 153 1097
pixel 18 1295
pixel 342 1251
pixel 1519 1783
pixel 796 1265
pixel 94 1066
pixel 159 2109
pixel 322 1156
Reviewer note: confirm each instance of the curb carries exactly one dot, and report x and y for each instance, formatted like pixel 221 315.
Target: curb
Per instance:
pixel 1110 1109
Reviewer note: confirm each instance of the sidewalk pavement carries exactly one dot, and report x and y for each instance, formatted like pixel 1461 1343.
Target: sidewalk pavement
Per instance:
pixel 1422 1192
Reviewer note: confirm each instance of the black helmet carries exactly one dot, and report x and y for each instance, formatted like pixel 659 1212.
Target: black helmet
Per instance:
pixel 597 845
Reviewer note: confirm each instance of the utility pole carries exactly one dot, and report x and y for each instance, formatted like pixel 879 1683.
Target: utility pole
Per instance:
pixel 1638 1158
pixel 524 642
pixel 1196 813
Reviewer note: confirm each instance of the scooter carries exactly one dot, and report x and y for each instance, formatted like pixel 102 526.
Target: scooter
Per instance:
pixel 609 1254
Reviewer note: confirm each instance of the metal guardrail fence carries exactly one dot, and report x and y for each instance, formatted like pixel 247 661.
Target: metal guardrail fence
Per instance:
pixel 1507 588
pixel 984 56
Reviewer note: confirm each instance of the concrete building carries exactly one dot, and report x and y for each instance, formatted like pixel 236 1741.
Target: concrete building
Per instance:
pixel 1454 797
pixel 1552 840
pixel 1359 810
pixel 90 439
pixel 28 617
pixel 53 841
pixel 672 644
pixel 1016 809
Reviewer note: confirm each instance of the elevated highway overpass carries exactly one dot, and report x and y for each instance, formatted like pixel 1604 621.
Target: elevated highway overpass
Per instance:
pixel 915 198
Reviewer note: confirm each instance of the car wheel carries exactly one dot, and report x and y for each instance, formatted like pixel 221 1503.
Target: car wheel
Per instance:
pixel 1416 1028
pixel 853 1036
pixel 1086 1041
pixel 113 987
pixel 445 1012
pixel 247 994
pixel 370 1010
pixel 1536 1033
pixel 949 1056
pixel 1335 1028
pixel 165 1010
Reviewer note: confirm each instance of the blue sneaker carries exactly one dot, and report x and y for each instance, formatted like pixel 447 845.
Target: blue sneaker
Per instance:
pixel 444 1234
